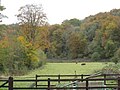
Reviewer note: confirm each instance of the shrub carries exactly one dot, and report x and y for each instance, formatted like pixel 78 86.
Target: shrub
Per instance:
pixel 116 57
pixel 95 56
pixel 110 69
pixel 115 60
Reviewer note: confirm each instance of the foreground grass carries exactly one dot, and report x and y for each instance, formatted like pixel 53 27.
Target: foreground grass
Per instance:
pixel 61 68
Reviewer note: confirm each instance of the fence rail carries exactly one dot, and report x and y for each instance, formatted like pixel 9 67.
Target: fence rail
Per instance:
pixel 58 79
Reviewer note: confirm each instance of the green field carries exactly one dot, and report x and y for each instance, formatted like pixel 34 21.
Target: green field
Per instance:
pixel 61 68
pixel 68 68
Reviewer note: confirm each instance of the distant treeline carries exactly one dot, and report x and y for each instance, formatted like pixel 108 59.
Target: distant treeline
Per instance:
pixel 96 37
pixel 80 60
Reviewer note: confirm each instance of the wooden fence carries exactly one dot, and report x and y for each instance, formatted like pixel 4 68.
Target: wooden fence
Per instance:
pixel 49 79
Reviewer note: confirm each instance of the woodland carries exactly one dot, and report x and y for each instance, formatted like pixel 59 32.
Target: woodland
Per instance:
pixel 26 45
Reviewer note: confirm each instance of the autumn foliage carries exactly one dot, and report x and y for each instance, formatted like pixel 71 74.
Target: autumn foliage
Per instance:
pixel 26 45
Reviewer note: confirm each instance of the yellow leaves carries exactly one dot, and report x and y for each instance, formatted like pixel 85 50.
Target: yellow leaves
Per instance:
pixel 111 26
pixel 32 55
pixel 28 45
pixel 35 59
pixel 33 39
pixel 21 39
pixel 29 49
pixel 24 42
pixel 29 54
pixel 4 43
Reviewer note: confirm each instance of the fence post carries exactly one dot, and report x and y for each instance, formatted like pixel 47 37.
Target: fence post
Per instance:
pixel 10 83
pixel 48 83
pixel 104 79
pixel 87 83
pixel 36 81
pixel 82 77
pixel 59 78
pixel 118 83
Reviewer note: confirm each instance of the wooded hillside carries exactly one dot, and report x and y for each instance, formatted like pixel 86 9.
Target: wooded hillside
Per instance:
pixel 96 37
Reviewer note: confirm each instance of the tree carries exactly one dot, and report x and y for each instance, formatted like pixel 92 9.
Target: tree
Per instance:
pixel 76 45
pixel 31 17
pixel 33 33
pixel 74 22
pixel 116 57
pixel 1 15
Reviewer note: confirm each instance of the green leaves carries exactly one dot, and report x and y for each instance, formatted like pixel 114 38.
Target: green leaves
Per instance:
pixel 2 8
pixel 116 58
pixel 96 37
pixel 1 15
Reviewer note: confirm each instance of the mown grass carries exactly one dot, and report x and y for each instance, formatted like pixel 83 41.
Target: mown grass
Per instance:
pixel 68 68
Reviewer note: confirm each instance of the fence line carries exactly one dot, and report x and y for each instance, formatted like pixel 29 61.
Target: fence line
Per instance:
pixel 79 78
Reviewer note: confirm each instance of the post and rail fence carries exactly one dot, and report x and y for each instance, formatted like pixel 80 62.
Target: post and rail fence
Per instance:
pixel 51 81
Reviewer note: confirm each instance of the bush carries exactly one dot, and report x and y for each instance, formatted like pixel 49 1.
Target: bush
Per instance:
pixel 115 60
pixel 111 69
pixel 95 56
pixel 116 57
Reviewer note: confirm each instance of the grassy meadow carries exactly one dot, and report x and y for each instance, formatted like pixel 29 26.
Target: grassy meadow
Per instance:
pixel 61 68
pixel 68 68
